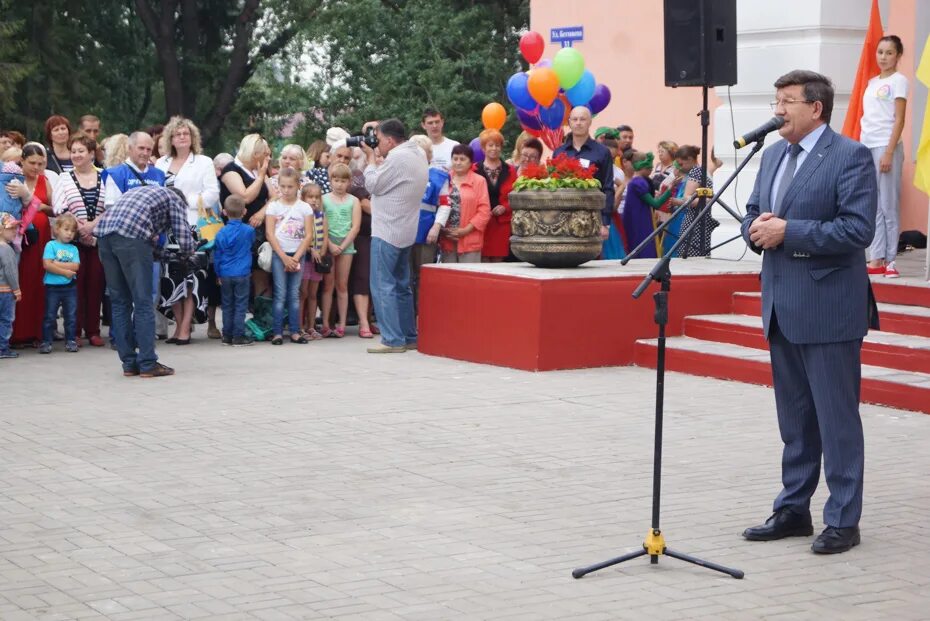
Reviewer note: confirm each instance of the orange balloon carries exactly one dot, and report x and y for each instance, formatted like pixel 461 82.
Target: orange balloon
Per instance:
pixel 494 116
pixel 543 85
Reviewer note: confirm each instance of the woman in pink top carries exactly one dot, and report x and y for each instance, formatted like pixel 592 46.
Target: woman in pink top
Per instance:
pixel 463 235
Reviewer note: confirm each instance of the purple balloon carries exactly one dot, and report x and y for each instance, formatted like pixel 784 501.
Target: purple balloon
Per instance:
pixel 553 116
pixel 529 119
pixel 545 62
pixel 475 145
pixel 600 99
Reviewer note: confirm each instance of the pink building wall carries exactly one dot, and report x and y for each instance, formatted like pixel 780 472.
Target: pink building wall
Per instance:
pixel 623 48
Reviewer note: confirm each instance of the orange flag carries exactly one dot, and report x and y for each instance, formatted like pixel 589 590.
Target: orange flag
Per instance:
pixel 868 69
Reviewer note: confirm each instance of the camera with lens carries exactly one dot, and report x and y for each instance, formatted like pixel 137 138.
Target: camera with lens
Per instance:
pixel 368 138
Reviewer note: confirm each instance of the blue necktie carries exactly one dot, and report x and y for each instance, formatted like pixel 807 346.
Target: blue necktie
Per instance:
pixel 785 181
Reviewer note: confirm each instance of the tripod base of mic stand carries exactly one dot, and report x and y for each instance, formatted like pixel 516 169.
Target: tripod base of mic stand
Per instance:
pixel 654 546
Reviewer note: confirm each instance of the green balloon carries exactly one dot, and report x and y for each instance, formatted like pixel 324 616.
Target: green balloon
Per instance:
pixel 568 65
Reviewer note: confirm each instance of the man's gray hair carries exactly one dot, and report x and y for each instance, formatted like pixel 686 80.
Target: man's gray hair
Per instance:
pixel 134 137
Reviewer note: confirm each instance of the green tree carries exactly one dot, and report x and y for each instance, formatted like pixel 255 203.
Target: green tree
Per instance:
pixel 208 50
pixel 12 68
pixel 377 59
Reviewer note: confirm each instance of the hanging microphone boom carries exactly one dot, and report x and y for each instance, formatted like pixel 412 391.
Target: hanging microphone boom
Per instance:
pixel 760 132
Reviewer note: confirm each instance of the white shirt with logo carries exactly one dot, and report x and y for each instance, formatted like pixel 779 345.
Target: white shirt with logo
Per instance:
pixel 878 109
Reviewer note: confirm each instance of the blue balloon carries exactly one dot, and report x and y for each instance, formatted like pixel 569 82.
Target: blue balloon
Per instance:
pixel 581 93
pixel 518 92
pixel 528 119
pixel 552 116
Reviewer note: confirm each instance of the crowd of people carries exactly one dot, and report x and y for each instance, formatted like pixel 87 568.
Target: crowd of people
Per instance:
pixel 346 219
pixel 297 230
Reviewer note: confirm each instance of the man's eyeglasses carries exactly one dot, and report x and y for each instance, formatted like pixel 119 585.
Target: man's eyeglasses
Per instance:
pixel 787 102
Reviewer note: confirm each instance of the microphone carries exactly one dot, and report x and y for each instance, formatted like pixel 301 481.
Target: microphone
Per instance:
pixel 760 132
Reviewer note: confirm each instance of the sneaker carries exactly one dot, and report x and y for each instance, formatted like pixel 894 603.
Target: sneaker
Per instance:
pixel 8 354
pixel 71 347
pixel 386 349
pixel 45 348
pixel 241 341
pixel 227 340
pixel 95 341
pixel 891 271
pixel 411 346
pixel 876 271
pixel 131 372
pixel 159 370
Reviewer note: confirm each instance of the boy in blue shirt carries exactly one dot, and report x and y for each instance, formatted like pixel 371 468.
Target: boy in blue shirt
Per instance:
pixel 232 260
pixel 61 261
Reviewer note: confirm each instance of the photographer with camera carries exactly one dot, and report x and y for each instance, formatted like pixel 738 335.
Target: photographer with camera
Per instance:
pixel 396 185
pixel 126 233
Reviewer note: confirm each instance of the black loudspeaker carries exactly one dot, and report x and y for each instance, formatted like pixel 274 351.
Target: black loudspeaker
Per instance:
pixel 700 42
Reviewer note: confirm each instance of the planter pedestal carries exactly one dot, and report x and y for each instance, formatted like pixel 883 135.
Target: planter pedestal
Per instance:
pixel 556 228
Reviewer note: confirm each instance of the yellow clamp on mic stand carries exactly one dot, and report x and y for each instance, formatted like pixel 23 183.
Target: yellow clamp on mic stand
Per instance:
pixel 704 193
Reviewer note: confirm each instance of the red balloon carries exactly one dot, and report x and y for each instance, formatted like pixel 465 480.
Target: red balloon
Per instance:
pixel 532 47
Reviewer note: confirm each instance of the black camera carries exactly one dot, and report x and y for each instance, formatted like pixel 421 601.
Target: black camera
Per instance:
pixel 368 138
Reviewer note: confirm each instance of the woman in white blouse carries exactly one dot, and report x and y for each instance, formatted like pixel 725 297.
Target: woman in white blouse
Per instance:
pixel 191 172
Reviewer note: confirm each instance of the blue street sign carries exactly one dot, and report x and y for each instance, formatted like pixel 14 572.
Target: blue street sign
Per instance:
pixel 566 35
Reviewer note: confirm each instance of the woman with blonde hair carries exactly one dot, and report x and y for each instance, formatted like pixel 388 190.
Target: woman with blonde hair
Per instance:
pixel 188 170
pixel 115 150
pixel 246 177
pixel 292 156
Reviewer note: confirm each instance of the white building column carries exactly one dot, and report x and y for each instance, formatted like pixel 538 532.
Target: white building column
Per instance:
pixel 774 38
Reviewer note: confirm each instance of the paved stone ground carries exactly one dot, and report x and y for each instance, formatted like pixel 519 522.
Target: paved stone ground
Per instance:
pixel 318 482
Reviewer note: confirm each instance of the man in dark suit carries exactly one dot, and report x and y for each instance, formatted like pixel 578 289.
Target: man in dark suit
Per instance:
pixel 811 215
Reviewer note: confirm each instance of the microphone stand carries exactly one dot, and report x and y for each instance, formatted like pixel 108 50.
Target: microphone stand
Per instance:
pixel 654 544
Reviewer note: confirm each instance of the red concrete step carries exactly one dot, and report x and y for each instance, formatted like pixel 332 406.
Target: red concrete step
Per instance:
pixel 905 390
pixel 879 348
pixel 899 318
pixel 899 291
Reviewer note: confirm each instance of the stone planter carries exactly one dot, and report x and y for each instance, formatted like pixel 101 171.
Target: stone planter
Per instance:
pixel 559 228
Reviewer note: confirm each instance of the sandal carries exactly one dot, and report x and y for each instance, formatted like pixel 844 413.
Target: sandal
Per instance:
pixel 327 332
pixel 278 340
pixel 375 329
pixel 339 332
pixel 365 334
pixel 300 340
pixel 315 336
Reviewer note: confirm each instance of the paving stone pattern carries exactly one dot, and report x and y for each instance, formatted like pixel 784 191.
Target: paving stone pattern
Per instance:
pixel 318 482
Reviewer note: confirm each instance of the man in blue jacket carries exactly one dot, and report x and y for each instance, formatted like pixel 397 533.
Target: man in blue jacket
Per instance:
pixel 812 215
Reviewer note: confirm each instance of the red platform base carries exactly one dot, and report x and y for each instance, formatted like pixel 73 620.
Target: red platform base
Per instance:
pixel 536 319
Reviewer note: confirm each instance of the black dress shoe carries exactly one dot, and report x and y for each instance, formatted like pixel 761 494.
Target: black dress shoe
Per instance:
pixel 834 540
pixel 785 522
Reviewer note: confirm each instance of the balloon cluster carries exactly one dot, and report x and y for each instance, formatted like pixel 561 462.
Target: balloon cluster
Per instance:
pixel 545 95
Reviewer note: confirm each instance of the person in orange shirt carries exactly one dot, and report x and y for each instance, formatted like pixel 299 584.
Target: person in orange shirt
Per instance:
pixel 463 235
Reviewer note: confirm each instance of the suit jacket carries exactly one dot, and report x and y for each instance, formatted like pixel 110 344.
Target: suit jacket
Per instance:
pixel 816 282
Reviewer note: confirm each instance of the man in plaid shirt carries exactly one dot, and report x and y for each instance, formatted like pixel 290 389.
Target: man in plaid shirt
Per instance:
pixel 127 234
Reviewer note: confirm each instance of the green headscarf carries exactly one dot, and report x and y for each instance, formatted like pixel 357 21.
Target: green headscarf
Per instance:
pixel 644 163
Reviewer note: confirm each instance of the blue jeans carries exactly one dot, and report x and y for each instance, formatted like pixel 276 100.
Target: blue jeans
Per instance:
pixel 286 291
pixel 391 294
pixel 7 315
pixel 64 296
pixel 127 263
pixel 235 291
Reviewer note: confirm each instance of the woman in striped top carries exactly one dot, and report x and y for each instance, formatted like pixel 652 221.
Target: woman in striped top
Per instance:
pixel 80 193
